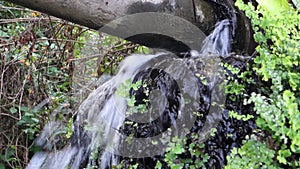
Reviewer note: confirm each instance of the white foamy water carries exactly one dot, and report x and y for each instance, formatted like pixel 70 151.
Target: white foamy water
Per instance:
pixel 219 41
pixel 102 113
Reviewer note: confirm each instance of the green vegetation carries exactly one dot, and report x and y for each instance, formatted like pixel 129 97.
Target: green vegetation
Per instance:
pixel 45 62
pixel 276 30
pixel 47 67
pixel 36 75
pixel 253 154
pixel 178 149
pixel 130 99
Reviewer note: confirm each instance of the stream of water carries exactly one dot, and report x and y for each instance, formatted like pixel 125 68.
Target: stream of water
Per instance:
pixel 101 115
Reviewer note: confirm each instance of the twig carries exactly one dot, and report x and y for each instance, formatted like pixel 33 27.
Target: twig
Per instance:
pixel 6 21
pixel 21 96
pixel 88 57
pixel 2 82
pixel 62 40
pixel 16 8
pixel 5 114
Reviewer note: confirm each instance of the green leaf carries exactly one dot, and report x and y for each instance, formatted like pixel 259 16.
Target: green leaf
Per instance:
pixel 178 149
pixel 294 81
pixel 177 166
pixel 24 109
pixel 158 165
pixel 282 155
pixel 35 120
pixel 3 34
pixel 13 110
pixel 296 123
pixel 287 94
pixel 2 166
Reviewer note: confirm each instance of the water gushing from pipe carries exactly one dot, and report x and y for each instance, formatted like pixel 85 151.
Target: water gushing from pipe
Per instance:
pixel 104 111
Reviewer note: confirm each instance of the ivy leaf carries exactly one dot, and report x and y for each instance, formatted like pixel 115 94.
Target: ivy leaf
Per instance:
pixel 178 150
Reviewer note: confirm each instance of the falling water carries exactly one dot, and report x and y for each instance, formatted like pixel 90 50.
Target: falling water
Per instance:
pixel 219 41
pixel 104 111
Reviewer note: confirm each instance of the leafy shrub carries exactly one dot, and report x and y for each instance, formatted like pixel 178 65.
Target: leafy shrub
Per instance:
pixel 36 53
pixel 183 154
pixel 253 154
pixel 276 30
